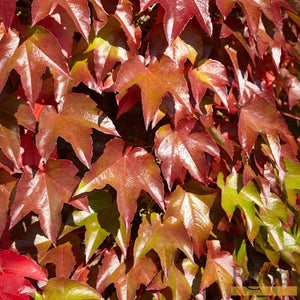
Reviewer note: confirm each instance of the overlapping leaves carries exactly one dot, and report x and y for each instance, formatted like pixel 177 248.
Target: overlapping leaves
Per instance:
pixel 147 148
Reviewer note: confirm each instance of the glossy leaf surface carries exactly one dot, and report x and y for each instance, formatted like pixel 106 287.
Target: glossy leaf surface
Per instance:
pixel 74 123
pixel 128 172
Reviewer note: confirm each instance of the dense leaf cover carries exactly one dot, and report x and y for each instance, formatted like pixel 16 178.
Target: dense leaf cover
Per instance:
pixel 149 149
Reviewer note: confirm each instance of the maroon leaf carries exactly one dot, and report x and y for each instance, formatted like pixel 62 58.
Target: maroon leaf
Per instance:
pixel 74 123
pixel 45 193
pixel 179 12
pixel 184 147
pixel 78 11
pixel 128 172
pixel 7 12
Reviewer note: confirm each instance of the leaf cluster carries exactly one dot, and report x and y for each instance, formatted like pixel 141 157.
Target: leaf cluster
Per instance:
pixel 149 149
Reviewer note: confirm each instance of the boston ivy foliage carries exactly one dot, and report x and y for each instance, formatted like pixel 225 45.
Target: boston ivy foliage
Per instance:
pixel 149 149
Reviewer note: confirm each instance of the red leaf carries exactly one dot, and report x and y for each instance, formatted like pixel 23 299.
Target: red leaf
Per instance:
pixel 155 80
pixel 253 120
pixel 109 47
pixel 7 183
pixel 45 193
pixel 20 266
pixel 126 281
pixel 8 45
pixel 13 112
pixel 73 123
pixel 128 173
pixel 211 74
pixel 184 147
pixel 124 14
pixel 219 268
pixel 60 24
pixel 33 56
pixel 179 12
pixel 7 12
pixel 78 11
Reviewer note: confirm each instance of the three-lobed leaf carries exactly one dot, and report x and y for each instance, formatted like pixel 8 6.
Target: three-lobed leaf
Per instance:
pixel 164 237
pixel 179 12
pixel 74 122
pixel 184 147
pixel 155 80
pixel 128 172
pixel 45 192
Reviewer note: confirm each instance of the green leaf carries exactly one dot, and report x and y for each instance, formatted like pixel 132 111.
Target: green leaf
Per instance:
pixel 102 220
pixel 67 289
pixel 246 198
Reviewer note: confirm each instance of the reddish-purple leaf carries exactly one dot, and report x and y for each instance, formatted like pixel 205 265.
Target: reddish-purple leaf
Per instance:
pixel 8 45
pixel 127 172
pixel 100 18
pixel 164 237
pixel 33 56
pixel 225 6
pixel 179 12
pixel 45 193
pixel 77 9
pixel 154 80
pixel 7 12
pixel 74 123
pixel 184 147
pixel 211 74
pixel 60 24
